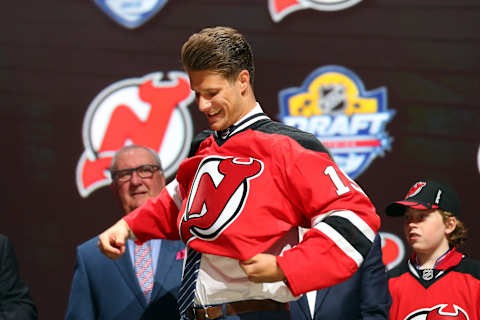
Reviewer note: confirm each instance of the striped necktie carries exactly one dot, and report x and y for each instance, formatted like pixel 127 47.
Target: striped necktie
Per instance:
pixel 186 293
pixel 144 269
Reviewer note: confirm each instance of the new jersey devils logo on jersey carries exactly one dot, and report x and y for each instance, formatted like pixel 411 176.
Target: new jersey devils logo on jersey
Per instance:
pixel 149 111
pixel 439 312
pixel 217 196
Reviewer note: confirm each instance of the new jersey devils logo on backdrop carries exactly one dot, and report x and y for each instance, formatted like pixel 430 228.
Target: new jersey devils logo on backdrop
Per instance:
pixel 439 312
pixel 147 111
pixel 217 196
pixel 281 8
pixel 393 250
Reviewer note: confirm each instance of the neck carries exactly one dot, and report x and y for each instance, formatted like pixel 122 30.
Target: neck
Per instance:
pixel 250 104
pixel 427 260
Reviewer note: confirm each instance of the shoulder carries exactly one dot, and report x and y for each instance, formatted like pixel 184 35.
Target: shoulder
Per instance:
pixel 469 266
pixel 197 140
pixel 89 244
pixel 6 248
pixel 89 248
pixel 398 271
pixel 4 242
pixel 305 139
pixel 375 252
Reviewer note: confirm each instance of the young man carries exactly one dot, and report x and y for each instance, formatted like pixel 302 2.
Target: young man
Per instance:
pixel 437 282
pixel 238 199
pixel 145 281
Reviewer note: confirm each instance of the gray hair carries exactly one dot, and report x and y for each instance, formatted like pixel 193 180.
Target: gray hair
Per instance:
pixel 156 158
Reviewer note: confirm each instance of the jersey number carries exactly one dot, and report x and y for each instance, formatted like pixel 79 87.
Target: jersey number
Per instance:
pixel 341 188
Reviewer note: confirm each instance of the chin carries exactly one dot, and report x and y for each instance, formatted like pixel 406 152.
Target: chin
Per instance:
pixel 215 127
pixel 218 125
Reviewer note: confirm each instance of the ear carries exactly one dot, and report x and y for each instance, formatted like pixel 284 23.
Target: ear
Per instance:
pixel 450 225
pixel 243 80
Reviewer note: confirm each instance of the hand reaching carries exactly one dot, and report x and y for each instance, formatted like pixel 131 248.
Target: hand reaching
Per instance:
pixel 262 268
pixel 112 241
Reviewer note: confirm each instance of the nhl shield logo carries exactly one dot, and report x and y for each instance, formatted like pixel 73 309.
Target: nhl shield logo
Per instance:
pixel 149 111
pixel 350 121
pixel 130 13
pixel 281 8
pixel 427 274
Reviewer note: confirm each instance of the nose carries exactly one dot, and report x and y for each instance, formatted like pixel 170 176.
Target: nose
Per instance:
pixel 411 223
pixel 203 104
pixel 135 180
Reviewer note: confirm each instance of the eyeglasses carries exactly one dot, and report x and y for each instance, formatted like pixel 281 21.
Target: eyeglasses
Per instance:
pixel 145 171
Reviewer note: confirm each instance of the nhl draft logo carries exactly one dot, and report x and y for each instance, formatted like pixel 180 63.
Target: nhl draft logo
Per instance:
pixel 439 312
pixel 333 105
pixel 281 8
pixel 130 13
pixel 147 111
pixel 393 250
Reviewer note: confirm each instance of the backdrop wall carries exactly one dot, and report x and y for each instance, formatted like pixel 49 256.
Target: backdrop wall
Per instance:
pixel 57 56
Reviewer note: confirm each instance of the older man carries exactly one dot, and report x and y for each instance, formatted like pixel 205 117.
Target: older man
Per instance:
pixel 146 280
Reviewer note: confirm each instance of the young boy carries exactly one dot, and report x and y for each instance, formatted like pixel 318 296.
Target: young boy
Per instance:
pixel 437 282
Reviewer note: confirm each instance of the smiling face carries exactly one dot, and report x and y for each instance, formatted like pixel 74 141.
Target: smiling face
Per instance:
pixel 426 231
pixel 222 101
pixel 135 192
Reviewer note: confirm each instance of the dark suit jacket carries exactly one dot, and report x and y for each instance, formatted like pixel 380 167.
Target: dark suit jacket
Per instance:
pixel 364 296
pixel 108 289
pixel 15 300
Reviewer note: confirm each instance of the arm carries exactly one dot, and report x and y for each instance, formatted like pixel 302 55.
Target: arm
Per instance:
pixel 80 303
pixel 15 300
pixel 155 219
pixel 343 221
pixel 375 297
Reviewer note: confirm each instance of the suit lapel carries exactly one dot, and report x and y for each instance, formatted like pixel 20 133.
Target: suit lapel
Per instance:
pixel 321 294
pixel 125 267
pixel 303 303
pixel 165 259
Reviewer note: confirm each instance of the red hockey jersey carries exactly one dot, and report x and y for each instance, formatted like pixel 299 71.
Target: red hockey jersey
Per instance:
pixel 238 195
pixel 450 291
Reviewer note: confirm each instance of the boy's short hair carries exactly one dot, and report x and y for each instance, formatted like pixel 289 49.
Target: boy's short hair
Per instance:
pixel 219 49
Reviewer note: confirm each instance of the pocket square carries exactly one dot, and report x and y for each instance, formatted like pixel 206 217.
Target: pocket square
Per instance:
pixel 181 254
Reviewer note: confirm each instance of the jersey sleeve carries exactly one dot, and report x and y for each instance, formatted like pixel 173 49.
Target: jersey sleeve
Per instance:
pixel 157 218
pixel 343 221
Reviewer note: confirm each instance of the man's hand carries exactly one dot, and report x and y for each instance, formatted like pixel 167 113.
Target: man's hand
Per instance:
pixel 112 241
pixel 262 268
